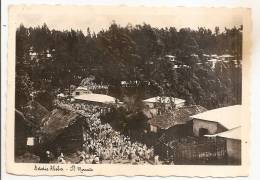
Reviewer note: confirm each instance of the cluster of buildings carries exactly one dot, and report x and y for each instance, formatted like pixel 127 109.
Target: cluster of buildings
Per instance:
pixel 222 123
pixel 210 59
pixel 200 135
pixel 213 59
pixel 35 56
pixel 166 117
pixel 169 114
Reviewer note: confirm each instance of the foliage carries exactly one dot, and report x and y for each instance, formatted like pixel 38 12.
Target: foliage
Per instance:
pixel 131 53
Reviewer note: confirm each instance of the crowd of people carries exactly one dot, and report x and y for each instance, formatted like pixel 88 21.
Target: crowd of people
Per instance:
pixel 105 145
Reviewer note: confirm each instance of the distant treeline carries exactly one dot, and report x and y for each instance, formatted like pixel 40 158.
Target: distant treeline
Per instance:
pixel 48 60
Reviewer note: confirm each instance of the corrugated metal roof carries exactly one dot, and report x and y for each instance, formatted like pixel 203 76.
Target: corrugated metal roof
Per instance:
pixel 226 56
pixel 82 88
pixel 158 99
pixel 234 133
pixel 229 117
pixel 101 98
pixel 178 116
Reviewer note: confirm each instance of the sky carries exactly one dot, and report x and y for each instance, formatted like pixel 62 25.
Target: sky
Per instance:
pixel 100 17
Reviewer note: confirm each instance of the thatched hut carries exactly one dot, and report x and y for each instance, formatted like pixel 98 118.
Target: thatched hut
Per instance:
pixel 63 129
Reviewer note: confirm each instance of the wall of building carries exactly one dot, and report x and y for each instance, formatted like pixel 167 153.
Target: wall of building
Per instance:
pixel 153 128
pixel 212 127
pixel 234 151
pixel 180 105
pixel 78 92
pixel 167 105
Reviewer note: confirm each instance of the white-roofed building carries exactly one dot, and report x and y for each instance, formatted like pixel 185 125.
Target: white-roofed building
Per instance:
pixel 151 102
pixel 233 144
pixel 234 133
pixel 96 98
pixel 155 103
pixel 61 95
pixel 206 55
pixel 214 55
pixel 217 120
pixel 213 62
pixel 81 90
pixel 171 58
pixel 226 57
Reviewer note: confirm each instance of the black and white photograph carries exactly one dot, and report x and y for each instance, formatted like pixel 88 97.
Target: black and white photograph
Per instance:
pixel 135 88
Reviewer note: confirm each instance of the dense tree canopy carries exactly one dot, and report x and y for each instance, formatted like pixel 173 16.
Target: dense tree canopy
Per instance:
pixel 63 58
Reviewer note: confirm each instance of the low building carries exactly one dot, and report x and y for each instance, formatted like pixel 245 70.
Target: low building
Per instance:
pixel 226 57
pixel 217 120
pixel 63 129
pixel 96 98
pixel 157 101
pixel 195 56
pixel 233 144
pixel 170 58
pixel 178 116
pixel 133 83
pixel 88 85
pixel 212 62
pixel 80 91
pixel 61 96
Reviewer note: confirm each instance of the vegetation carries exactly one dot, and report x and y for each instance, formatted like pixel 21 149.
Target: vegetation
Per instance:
pixel 64 58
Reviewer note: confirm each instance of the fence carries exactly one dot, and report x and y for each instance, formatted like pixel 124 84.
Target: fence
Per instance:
pixel 194 151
